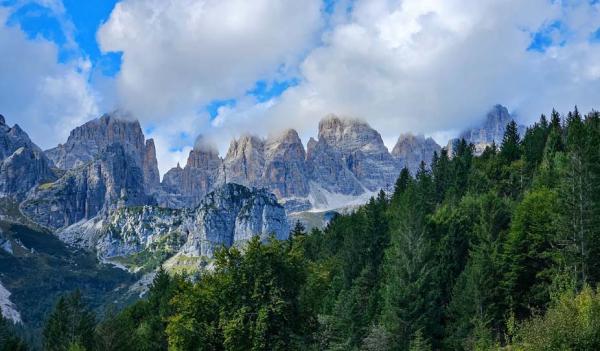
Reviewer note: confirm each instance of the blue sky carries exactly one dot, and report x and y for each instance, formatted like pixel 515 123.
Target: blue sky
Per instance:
pixel 230 67
pixel 80 22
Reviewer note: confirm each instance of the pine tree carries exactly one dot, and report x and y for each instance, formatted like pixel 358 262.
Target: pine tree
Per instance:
pixel 401 183
pixel 530 251
pixel 9 341
pixel 71 323
pixel 299 230
pixel 409 293
pixel 510 149
pixel 419 343
pixel 440 169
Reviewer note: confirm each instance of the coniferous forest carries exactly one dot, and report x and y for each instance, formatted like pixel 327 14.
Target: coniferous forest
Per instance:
pixel 497 251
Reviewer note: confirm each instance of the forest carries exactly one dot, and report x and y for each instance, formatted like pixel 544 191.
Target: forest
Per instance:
pixel 493 252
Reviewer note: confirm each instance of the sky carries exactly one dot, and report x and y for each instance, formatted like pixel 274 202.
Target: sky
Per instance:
pixel 223 68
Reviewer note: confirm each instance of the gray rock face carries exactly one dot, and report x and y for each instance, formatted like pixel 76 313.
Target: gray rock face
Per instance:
pixel 110 181
pixel 329 170
pixel 23 170
pixel 285 165
pixel 491 131
pixel 22 164
pixel 185 187
pixel 349 159
pixel 245 161
pixel 277 163
pixel 92 138
pixel 411 149
pixel 351 145
pixel 230 215
pixel 150 167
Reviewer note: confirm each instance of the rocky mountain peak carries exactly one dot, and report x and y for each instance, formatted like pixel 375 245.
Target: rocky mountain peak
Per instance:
pixel 490 131
pixel 350 134
pixel 23 165
pixel 285 165
pixel 2 121
pixel 411 149
pixel 245 161
pixel 91 138
pixel 150 167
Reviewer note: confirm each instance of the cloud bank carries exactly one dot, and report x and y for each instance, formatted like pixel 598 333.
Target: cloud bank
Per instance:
pixel 426 66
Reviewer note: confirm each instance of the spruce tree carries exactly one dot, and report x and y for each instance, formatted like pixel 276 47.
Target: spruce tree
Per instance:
pixel 410 297
pixel 71 323
pixel 510 149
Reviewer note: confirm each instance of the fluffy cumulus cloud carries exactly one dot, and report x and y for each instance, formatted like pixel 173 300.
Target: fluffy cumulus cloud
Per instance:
pixel 427 66
pixel 430 66
pixel 44 97
pixel 181 54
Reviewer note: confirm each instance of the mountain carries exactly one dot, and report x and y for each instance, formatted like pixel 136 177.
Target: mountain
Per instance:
pixel 23 165
pixel 411 149
pixel 185 187
pixel 92 138
pixel 348 163
pixel 350 158
pixel 112 179
pixel 36 268
pixel 490 131
pixel 145 236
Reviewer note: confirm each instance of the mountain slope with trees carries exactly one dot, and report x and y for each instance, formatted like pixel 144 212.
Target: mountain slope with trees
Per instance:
pixel 481 252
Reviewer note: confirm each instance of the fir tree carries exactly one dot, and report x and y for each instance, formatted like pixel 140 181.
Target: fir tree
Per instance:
pixel 510 149
pixel 71 323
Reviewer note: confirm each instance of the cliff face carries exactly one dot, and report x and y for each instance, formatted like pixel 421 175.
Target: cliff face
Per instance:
pixel 91 139
pixel 411 149
pixel 349 159
pixel 229 215
pixel 111 180
pixel 490 131
pixel 352 149
pixel 285 170
pixel 22 164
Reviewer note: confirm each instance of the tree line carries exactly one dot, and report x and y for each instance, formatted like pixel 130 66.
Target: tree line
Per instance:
pixel 497 251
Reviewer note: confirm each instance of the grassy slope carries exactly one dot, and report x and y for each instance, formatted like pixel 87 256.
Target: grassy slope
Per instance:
pixel 44 268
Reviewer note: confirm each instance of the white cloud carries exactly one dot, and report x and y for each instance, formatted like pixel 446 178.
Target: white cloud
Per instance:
pixel 404 65
pixel 178 55
pixel 432 66
pixel 46 98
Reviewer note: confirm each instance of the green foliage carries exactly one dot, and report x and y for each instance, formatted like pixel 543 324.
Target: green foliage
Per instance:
pixel 475 253
pixel 70 326
pixel 9 340
pixel 571 323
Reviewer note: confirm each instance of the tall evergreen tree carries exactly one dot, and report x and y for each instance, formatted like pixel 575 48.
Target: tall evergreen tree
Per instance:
pixel 409 292
pixel 510 149
pixel 70 324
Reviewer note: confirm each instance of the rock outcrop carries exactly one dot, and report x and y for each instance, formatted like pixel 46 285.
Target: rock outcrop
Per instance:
pixel 410 150
pixel 230 215
pixel 354 153
pixel 113 179
pixel 92 138
pixel 285 170
pixel 23 165
pixel 150 167
pixel 185 187
pixel 491 131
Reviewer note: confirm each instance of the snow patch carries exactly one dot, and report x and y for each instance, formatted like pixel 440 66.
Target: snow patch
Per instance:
pixel 8 308
pixel 6 246
pixel 324 200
